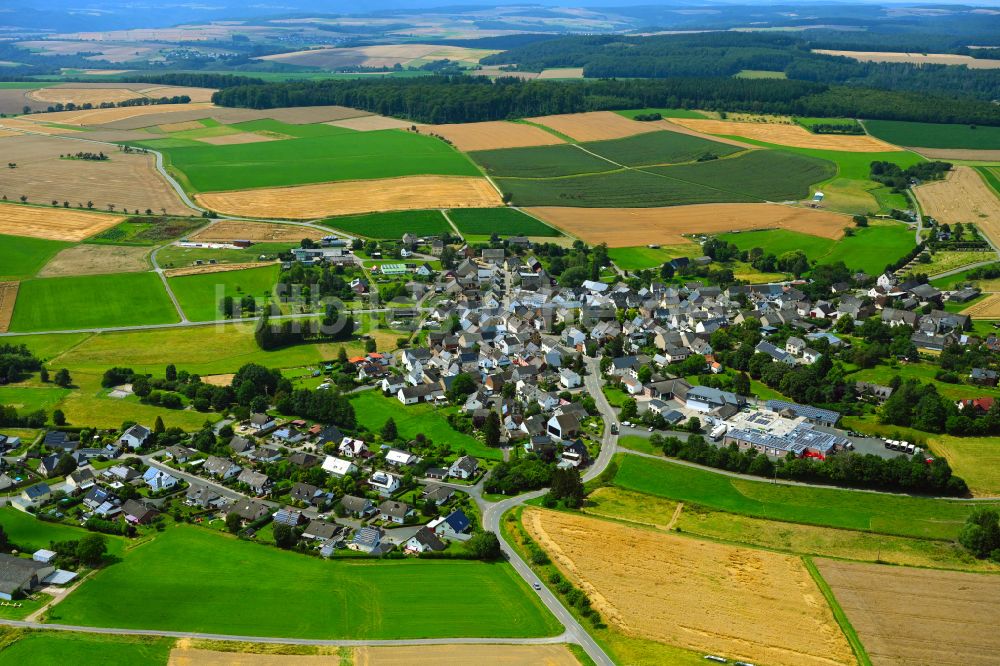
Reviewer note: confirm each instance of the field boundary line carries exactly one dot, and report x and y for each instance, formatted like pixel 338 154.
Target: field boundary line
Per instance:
pixel 451 223
pixel 674 518
pixel 838 613
pixel 8 300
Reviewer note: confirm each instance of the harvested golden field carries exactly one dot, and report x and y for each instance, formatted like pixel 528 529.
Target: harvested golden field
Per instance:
pixel 233 139
pixel 20 125
pixel 916 58
pixel 95 96
pixel 53 223
pixel 680 129
pixel 962 196
pixel 740 603
pixel 91 117
pixel 217 268
pixel 787 135
pixel 380 55
pixel 918 616
pixel 189 656
pixel 494 71
pixel 958 154
pixel 435 655
pixel 219 380
pixel 370 123
pixel 492 135
pixel 988 308
pixel 96 259
pixel 306 202
pixel 8 296
pixel 629 227
pixel 127 180
pixel 562 73
pixel 258 232
pixel 595 125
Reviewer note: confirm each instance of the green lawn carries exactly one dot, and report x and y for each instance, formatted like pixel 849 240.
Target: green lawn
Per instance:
pixel 31 534
pixel 319 153
pixel 199 295
pixel 57 648
pixel 876 512
pixel 759 74
pixel 503 221
pixel 935 135
pixel 392 225
pixel 173 256
pixel 30 399
pixel 373 409
pixel 883 374
pixel 957 278
pixel 189 579
pixel 90 301
pixel 869 250
pixel 642 257
pixel 22 257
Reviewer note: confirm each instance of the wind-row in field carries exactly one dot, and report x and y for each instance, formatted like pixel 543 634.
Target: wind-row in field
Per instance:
pixel 629 227
pixel 703 596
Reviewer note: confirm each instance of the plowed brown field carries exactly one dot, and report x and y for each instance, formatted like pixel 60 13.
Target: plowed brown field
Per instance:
pixel 54 223
pixel 628 227
pixel 595 126
pixel 306 202
pixel 258 232
pixel 922 617
pixel 788 135
pixel 8 296
pixel 127 180
pixel 962 197
pixel 958 154
pixel 753 605
pixel 492 135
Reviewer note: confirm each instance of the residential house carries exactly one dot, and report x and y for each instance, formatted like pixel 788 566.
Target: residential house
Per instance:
pixel 394 512
pixel 158 480
pixel 384 483
pixel 452 525
pixel 563 426
pixel 400 458
pixel 323 530
pixel 81 479
pixel 875 392
pixel 353 448
pixel 179 454
pixel 221 468
pixel 437 494
pixel 249 510
pixel 289 516
pixel 983 376
pixel 203 497
pixel 359 507
pixel 708 399
pixel 36 494
pixel 423 541
pixel 241 446
pixel 262 423
pixel 138 513
pixel 464 468
pixel 338 467
pixel 307 493
pixel 48 464
pixel 135 437
pixel 257 482
pixel 367 540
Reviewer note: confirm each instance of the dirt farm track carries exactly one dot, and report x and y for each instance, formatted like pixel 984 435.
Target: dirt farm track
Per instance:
pixel 919 617
pixel 754 605
pixel 629 227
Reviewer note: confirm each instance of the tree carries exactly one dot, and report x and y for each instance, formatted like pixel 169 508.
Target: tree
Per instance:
pixel 645 374
pixel 461 386
pixel 62 378
pixel 568 486
pixel 860 220
pixel 141 386
pixel 389 431
pixel 43 375
pixel 484 546
pixel 91 549
pixel 158 427
pixel 741 384
pixel 981 533
pixel 284 536
pixel 66 465
pixel 491 430
pixel 629 409
pixel 59 417
pixel 171 373
pixel 233 522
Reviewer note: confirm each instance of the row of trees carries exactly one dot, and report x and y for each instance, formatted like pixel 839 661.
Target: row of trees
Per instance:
pixel 442 99
pixel 844 469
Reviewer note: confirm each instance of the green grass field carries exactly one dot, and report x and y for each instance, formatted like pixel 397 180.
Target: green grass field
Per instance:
pixel 392 225
pixel 869 250
pixel 89 301
pixel 745 178
pixel 32 398
pixel 876 512
pixel 318 153
pixel 373 409
pixel 189 579
pixel 22 257
pixel 991 175
pixel 199 295
pixel 935 135
pixel 642 257
pixel 173 256
pixel 540 162
pixel 949 282
pixel 759 74
pixel 56 648
pixel 503 221
pixel 658 148
pixel 666 113
pixel 30 533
